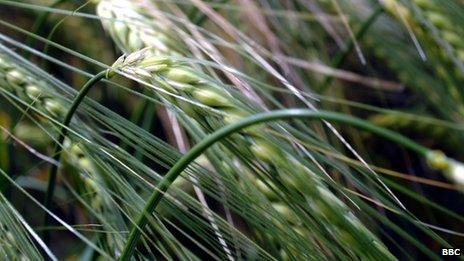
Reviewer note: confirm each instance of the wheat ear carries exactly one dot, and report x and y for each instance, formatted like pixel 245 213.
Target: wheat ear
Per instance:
pixel 154 66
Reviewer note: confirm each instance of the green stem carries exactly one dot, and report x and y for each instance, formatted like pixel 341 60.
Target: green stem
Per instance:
pixel 342 54
pixel 37 27
pixel 209 140
pixel 62 135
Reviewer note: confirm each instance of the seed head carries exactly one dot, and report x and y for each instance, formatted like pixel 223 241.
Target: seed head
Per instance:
pixel 4 64
pixel 54 107
pixel 212 97
pixel 453 169
pixel 265 189
pixel 33 91
pixel 129 28
pixel 437 160
pixel 142 63
pixel 264 151
pixel 15 77
pixel 184 79
pixel 182 75
pixel 455 172
pixel 286 212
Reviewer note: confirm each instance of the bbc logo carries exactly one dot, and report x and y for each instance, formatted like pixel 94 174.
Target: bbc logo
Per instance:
pixel 451 252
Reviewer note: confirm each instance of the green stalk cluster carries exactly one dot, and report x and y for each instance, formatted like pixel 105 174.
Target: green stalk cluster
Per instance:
pixel 8 248
pixel 436 14
pixel 31 89
pixel 404 66
pixel 89 185
pixel 77 158
pixel 443 67
pixel 36 92
pixel 28 88
pixel 418 128
pixel 16 243
pixel 153 65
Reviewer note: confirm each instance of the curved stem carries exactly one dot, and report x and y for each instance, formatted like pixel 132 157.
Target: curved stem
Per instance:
pixel 209 140
pixel 62 135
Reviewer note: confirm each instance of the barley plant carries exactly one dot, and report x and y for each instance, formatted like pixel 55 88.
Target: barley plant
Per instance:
pixel 231 129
